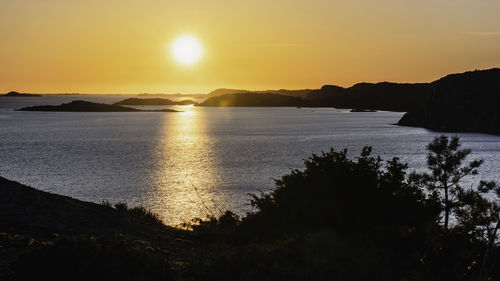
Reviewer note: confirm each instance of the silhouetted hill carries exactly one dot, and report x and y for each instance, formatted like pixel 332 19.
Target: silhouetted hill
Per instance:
pixel 224 91
pixel 16 94
pixel 292 93
pixel 85 106
pixel 284 92
pixel 25 210
pixel 172 95
pixel 466 102
pixel 380 96
pixel 153 101
pixel 58 236
pixel 363 96
pixel 254 100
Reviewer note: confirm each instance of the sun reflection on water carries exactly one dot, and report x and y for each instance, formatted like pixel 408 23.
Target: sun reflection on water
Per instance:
pixel 185 168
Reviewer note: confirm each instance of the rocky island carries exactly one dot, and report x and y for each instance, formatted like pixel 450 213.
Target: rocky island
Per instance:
pixel 153 101
pixel 18 95
pixel 86 106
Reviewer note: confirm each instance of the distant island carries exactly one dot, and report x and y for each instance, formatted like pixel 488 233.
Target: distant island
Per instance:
pixel 153 101
pixel 466 102
pixel 363 96
pixel 254 100
pixel 362 110
pixel 284 92
pixel 17 95
pixel 85 106
pixel 172 95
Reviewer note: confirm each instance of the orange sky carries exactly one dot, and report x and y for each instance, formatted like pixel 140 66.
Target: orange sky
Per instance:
pixel 123 46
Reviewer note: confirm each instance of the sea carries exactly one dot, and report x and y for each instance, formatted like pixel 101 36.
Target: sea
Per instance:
pixel 200 161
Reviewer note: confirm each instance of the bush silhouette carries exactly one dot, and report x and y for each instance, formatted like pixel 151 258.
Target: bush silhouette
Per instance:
pixel 345 195
pixel 361 218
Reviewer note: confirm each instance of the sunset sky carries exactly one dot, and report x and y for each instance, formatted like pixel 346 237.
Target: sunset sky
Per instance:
pixel 124 46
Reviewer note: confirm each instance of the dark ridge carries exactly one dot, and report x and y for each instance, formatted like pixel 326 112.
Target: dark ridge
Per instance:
pixel 380 96
pixel 61 238
pixel 16 94
pixel 284 92
pixel 254 100
pixel 172 95
pixel 466 102
pixel 85 106
pixel 224 91
pixel 153 101
pixel 25 210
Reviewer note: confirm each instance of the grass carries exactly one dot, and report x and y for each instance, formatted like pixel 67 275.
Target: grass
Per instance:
pixel 138 212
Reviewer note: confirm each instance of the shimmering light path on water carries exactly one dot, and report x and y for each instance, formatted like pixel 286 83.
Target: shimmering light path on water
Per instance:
pixel 202 160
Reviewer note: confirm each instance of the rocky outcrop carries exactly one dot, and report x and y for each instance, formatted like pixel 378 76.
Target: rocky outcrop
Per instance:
pixel 86 106
pixel 379 96
pixel 466 102
pixel 16 94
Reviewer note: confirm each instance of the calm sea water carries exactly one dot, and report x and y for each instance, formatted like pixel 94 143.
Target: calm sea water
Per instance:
pixel 202 160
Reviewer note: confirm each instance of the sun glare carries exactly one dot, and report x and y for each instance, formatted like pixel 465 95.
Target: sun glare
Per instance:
pixel 187 50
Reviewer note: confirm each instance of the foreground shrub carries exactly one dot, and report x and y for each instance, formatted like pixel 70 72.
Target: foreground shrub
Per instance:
pixel 92 258
pixel 359 218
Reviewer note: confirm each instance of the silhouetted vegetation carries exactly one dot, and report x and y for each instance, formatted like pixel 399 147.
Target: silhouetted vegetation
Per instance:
pixel 340 218
pixel 357 219
pixel 466 102
pixel 91 258
pixel 139 212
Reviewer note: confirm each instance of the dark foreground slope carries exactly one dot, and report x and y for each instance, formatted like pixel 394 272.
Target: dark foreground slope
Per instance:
pixel 153 101
pixel 466 102
pixel 44 235
pixel 85 106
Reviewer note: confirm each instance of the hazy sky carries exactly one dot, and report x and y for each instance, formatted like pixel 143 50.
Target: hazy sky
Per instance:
pixel 123 46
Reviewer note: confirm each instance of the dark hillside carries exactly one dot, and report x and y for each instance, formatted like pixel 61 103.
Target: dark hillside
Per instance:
pixel 466 102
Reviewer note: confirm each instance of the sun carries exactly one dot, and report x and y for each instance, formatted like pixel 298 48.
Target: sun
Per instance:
pixel 187 50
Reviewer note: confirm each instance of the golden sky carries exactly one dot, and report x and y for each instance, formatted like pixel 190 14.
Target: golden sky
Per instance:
pixel 124 46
